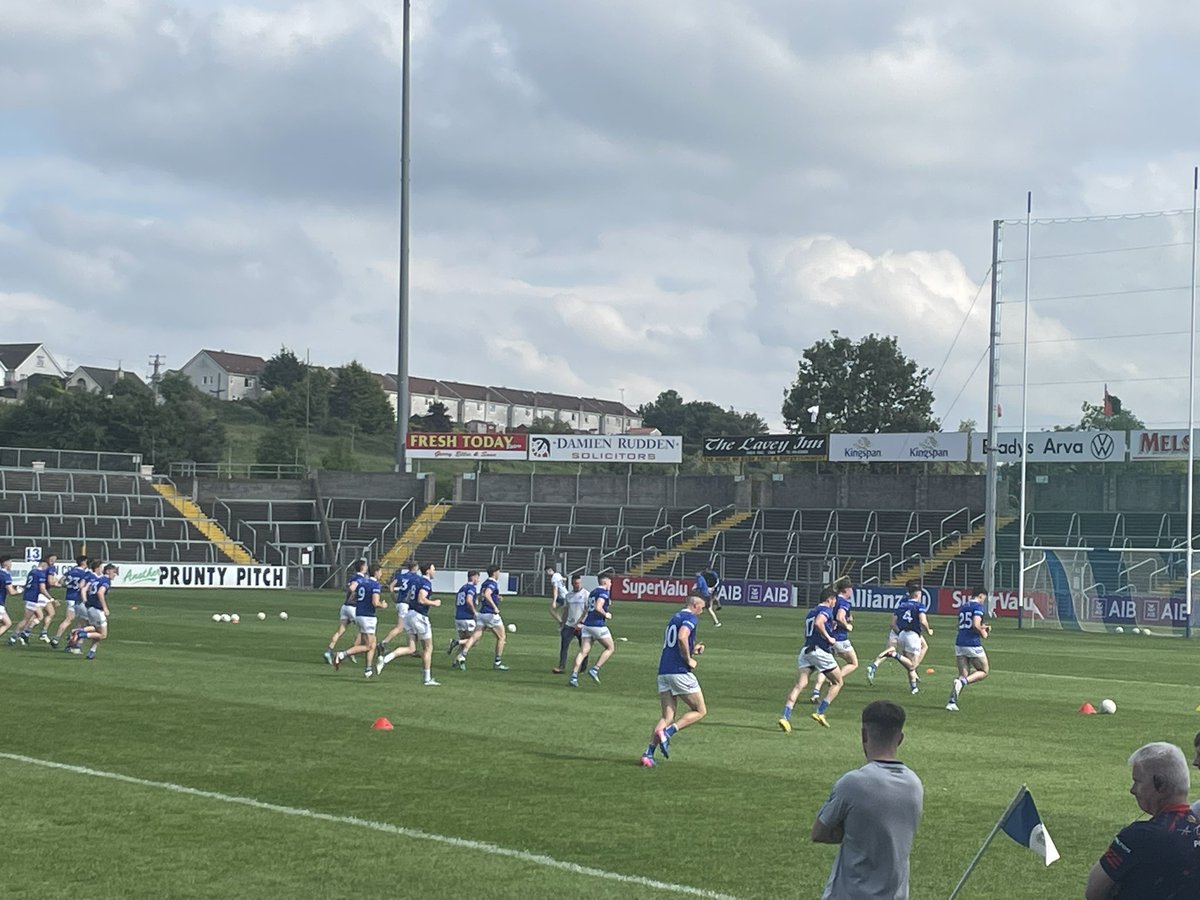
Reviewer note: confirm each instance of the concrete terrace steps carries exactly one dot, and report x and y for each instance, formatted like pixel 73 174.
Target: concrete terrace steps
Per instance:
pixel 943 556
pixel 414 535
pixel 669 556
pixel 202 523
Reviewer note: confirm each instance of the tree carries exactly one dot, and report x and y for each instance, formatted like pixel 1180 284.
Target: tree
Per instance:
pixel 278 446
pixel 358 399
pixel 550 425
pixel 340 457
pixel 859 388
pixel 1094 419
pixel 283 370
pixel 436 418
pixel 697 419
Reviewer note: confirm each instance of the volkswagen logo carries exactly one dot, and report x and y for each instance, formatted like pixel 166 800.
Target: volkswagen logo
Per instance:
pixel 1103 446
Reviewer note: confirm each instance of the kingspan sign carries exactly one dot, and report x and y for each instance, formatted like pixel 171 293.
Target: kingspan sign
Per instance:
pixel 891 448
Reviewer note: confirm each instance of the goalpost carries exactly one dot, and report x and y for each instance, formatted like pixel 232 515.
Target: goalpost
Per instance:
pixel 1094 315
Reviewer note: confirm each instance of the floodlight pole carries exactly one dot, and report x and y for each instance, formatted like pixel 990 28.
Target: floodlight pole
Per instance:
pixel 1191 456
pixel 989 519
pixel 1024 410
pixel 402 401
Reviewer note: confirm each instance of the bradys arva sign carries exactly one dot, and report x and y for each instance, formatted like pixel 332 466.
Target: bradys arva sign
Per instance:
pixel 1051 446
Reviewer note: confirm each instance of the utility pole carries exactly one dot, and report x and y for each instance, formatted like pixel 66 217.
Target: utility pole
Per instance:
pixel 156 362
pixel 402 401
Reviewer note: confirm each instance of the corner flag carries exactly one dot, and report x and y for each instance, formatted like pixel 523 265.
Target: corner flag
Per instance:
pixel 1024 825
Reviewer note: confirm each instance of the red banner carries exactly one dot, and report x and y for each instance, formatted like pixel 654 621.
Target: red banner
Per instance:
pixel 456 445
pixel 657 590
pixel 999 603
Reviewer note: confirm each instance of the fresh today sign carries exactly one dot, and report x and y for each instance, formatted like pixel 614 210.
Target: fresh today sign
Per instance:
pixel 1052 446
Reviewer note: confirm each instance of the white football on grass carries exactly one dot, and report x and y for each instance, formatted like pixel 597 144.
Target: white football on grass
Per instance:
pixel 1108 707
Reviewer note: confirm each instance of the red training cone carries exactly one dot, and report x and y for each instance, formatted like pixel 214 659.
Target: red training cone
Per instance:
pixel 1087 709
pixel 382 724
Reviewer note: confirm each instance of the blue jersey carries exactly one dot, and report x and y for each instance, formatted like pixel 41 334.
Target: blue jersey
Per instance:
pixel 464 602
pixel 813 639
pixel 74 581
pixel 364 599
pixel 34 581
pixel 843 605
pixel 52 571
pixel 701 588
pixel 483 606
pixel 403 580
pixel 967 635
pixel 908 615
pixel 5 581
pixel 87 584
pixel 594 617
pixel 672 662
pixel 421 583
pixel 93 598
pixel 354 591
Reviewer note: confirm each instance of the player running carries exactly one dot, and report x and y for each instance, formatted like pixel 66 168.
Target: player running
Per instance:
pixel 48 611
pixel 35 596
pixel 367 603
pixel 489 618
pixel 75 581
pixel 969 654
pixel 677 678
pixel 464 616
pixel 816 656
pixel 416 623
pixel 347 613
pixel 7 589
pixel 594 629
pixel 97 612
pixel 843 624
pixel 404 588
pixel 707 582
pixel 910 623
pixel 889 651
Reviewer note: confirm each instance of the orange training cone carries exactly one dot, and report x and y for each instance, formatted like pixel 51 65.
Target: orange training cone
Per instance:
pixel 382 724
pixel 1087 709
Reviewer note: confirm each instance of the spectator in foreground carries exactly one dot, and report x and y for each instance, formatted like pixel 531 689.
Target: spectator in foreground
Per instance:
pixel 1159 859
pixel 873 813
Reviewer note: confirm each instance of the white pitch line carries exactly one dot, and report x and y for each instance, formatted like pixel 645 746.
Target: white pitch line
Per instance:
pixel 385 827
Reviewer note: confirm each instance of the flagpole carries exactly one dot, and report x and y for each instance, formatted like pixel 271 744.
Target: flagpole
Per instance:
pixel 995 830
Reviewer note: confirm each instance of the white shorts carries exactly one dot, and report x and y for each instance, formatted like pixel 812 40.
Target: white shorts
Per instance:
pixel 910 644
pixel 347 615
pixel 843 646
pixel 678 685
pixel 595 632
pixel 816 659
pixel 464 626
pixel 366 624
pixel 972 652
pixel 893 638
pixel 418 625
pixel 490 620
pixel 79 608
pixel 34 605
pixel 96 617
pixel 401 610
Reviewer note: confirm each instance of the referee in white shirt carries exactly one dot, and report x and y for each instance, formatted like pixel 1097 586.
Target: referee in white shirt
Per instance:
pixel 568 609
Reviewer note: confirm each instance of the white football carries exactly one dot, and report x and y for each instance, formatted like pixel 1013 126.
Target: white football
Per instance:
pixel 1137 631
pixel 235 618
pixel 225 617
pixel 1119 630
pixel 512 627
pixel 262 616
pixel 1107 706
pixel 758 616
pixel 283 616
pixel 216 617
pixel 1146 631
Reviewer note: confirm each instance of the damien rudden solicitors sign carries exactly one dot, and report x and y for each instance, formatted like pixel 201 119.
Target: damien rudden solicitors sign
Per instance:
pixel 775 446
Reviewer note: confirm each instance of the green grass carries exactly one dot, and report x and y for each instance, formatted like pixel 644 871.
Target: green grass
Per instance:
pixel 518 760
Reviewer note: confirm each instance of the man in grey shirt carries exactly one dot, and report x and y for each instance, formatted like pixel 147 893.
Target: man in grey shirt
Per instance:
pixel 873 813
pixel 569 612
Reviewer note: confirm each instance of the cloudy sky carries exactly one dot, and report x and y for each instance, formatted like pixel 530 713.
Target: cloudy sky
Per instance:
pixel 608 195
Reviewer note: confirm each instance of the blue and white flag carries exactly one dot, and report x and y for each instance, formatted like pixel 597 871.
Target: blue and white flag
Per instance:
pixel 1024 825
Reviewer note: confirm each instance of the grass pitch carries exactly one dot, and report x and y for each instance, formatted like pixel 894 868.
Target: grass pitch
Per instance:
pixel 519 761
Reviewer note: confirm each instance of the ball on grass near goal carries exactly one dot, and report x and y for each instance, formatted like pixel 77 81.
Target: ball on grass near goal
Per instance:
pixel 283 616
pixel 512 627
pixel 225 617
pixel 1119 630
pixel 1146 631
pixel 1108 707
pixel 262 616
pixel 216 617
pixel 235 618
pixel 1137 631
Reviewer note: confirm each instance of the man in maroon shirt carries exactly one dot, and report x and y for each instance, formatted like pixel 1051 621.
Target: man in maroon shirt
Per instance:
pixel 1159 859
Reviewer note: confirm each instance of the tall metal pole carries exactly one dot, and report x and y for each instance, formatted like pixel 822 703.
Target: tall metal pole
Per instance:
pixel 1024 408
pixel 1191 457
pixel 989 521
pixel 402 401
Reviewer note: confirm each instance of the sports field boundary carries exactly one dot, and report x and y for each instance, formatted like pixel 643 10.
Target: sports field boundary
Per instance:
pixel 384 827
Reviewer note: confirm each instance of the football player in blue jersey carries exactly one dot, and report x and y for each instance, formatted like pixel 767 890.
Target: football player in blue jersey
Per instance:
pixel 594 629
pixel 489 618
pixel 706 584
pixel 816 657
pixel 913 587
pixel 50 609
pixel 464 616
pixel 677 679
pixel 911 624
pixel 97 612
pixel 404 588
pixel 843 624
pixel 7 589
pixel 416 623
pixel 75 581
pixel 969 654
pixel 35 595
pixel 346 614
pixel 367 603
